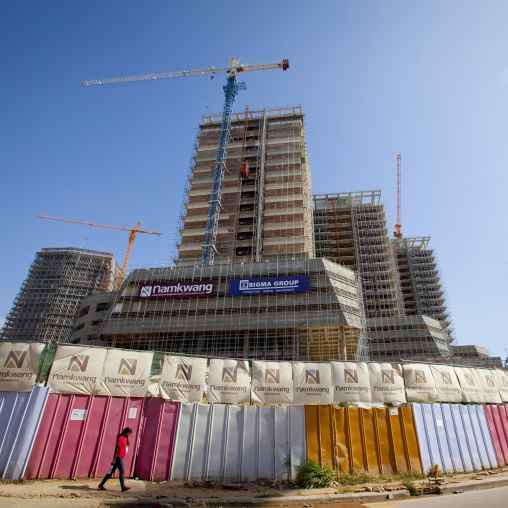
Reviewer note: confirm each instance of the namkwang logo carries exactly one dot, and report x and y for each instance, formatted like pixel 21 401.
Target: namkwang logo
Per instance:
pixel 272 376
pixel 15 360
pixel 146 291
pixel 420 377
pixel 388 377
pixel 490 381
pixel 184 373
pixel 351 376
pixel 469 379
pixel 447 378
pixel 79 363
pixel 312 377
pixel 229 375
pixel 127 366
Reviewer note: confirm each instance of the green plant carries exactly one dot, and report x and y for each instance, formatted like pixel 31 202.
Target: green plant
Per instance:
pixel 345 490
pixel 273 494
pixel 312 475
pixel 409 485
pixel 355 478
pixel 286 462
pixel 345 404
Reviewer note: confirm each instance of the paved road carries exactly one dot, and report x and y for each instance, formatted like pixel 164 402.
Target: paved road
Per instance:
pixel 492 498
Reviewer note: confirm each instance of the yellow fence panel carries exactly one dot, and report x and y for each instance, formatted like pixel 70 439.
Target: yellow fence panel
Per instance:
pixel 379 440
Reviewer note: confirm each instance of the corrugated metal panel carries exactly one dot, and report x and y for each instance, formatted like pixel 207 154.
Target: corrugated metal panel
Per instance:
pixel 357 439
pixel 456 438
pixel 20 416
pixel 157 440
pixel 230 443
pixel 494 435
pixel 496 415
pixel 77 435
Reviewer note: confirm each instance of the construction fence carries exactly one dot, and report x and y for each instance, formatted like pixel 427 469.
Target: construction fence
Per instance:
pixel 50 435
pixel 86 370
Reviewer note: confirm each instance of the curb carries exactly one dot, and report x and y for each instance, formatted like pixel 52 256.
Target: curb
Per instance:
pixel 479 484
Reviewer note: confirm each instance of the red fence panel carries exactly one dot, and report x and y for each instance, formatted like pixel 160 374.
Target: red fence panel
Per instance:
pixel 157 445
pixel 77 435
pixel 489 413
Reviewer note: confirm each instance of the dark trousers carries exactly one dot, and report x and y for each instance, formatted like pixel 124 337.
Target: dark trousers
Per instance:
pixel 117 465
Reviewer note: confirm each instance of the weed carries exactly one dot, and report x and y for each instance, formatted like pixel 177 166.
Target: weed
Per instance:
pixel 286 462
pixel 345 490
pixel 355 478
pixel 409 485
pixel 312 475
pixel 274 494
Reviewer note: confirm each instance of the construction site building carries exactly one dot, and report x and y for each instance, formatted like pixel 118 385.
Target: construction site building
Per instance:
pixel 324 323
pixel 58 281
pixel 420 281
pixel 266 212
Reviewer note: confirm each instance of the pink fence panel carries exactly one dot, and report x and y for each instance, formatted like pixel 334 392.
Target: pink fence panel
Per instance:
pixel 77 436
pixel 158 437
pixel 489 413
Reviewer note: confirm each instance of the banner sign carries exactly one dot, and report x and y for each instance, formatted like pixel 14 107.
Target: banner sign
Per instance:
pixel 19 362
pixel 502 383
pixel 489 386
pixel 77 370
pixel 269 285
pixel 272 383
pixel 183 378
pixel 470 384
pixel 126 373
pixel 228 382
pixel 419 381
pixel 447 385
pixel 387 383
pixel 189 289
pixel 312 383
pixel 351 382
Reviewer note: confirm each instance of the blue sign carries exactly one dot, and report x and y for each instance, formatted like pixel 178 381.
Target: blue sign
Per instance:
pixel 270 285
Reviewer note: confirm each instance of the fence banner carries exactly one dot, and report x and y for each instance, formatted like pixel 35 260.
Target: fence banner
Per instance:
pixel 489 386
pixel 470 384
pixel 420 385
pixel 351 382
pixel 77 370
pixel 387 383
pixel 272 383
pixel 447 384
pixel 228 382
pixel 183 378
pixel 312 383
pixel 126 373
pixel 19 362
pixel 502 383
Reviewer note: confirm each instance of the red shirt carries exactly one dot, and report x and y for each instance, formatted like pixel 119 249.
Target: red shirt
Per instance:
pixel 122 447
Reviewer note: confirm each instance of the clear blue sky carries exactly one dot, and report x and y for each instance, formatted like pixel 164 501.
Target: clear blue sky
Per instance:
pixel 427 79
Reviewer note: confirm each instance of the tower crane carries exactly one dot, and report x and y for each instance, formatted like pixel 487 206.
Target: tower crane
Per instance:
pixel 398 233
pixel 132 236
pixel 231 88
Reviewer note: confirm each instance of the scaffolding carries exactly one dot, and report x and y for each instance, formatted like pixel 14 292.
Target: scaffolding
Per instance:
pixel 59 279
pixel 269 213
pixel 325 323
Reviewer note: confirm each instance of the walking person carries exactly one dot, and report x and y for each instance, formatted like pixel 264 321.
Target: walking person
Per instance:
pixel 122 442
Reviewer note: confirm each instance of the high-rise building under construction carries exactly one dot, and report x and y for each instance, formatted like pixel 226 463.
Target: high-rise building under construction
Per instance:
pixel 58 281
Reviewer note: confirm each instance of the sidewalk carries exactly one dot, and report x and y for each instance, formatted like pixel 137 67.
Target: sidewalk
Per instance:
pixel 84 493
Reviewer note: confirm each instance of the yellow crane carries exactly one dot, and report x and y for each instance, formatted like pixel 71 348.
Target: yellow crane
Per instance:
pixel 132 236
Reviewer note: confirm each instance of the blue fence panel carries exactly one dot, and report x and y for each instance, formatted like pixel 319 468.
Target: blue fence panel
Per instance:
pixel 453 439
pixel 471 441
pixel 20 415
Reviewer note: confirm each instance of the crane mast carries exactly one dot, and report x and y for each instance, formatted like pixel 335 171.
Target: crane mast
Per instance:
pixel 398 233
pixel 230 91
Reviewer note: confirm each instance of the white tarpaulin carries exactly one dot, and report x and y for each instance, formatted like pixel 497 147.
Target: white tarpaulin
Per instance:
pixel 183 378
pixel 19 362
pixel 489 386
pixel 420 385
pixel 77 370
pixel 447 384
pixel 470 384
pixel 228 382
pixel 502 383
pixel 387 383
pixel 351 382
pixel 272 383
pixel 312 383
pixel 126 373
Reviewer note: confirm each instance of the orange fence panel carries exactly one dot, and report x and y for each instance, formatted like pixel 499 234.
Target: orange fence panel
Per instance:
pixel 379 440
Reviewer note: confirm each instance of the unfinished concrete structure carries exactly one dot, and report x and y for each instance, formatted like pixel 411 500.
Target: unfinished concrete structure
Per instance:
pixel 323 323
pixel 266 211
pixel 58 280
